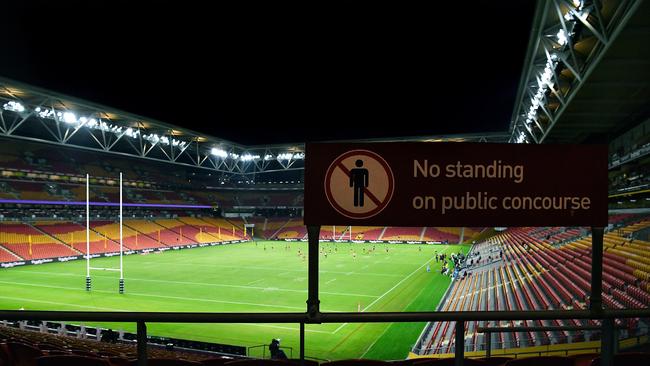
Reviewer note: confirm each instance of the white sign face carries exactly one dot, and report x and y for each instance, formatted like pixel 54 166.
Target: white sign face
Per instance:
pixel 359 184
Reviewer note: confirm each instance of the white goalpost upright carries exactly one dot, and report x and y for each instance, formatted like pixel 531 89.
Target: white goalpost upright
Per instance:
pixel 121 240
pixel 88 267
pixel 87 232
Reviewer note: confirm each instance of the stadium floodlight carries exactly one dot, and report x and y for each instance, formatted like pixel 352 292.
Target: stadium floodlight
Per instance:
pixel 562 37
pixel 13 106
pixel 218 152
pixel 299 156
pixel 69 117
pixel 285 156
pixel 233 155
pixel 521 138
pixel 249 157
pixel 268 157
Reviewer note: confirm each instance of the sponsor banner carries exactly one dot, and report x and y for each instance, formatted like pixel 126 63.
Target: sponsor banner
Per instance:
pixel 41 261
pixel 109 254
pixel 69 258
pixel 12 264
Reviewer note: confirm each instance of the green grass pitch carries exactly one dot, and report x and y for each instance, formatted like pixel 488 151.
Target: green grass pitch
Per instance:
pixel 252 277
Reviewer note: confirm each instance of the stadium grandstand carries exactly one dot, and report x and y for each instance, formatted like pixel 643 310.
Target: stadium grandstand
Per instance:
pixel 214 257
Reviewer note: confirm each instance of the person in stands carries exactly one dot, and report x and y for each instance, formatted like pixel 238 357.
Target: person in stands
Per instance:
pixel 276 352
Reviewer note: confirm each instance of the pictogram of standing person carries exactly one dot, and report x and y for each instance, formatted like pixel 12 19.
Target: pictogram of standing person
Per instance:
pixel 359 181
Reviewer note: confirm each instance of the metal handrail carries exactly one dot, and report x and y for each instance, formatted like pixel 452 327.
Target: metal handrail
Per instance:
pixel 322 317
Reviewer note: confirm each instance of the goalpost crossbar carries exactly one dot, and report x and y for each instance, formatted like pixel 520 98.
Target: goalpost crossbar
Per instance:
pixel 105 269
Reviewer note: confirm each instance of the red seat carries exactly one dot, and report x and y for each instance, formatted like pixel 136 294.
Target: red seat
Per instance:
pixel 216 361
pixel 21 354
pixel 449 362
pixel 259 362
pixel 627 359
pixel 71 360
pixel 355 362
pixel 584 359
pixel 166 362
pixel 495 361
pixel 541 361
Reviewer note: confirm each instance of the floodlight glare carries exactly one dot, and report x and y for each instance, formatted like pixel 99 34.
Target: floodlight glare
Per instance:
pixel 13 106
pixel 69 117
pixel 218 152
pixel 249 157
pixel 562 37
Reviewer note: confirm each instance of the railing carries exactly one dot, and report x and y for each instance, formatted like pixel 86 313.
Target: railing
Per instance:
pixel 141 318
pixel 313 315
pixel 263 348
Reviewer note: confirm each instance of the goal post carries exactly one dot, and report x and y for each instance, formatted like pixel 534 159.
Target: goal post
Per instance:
pixel 249 228
pixel 88 254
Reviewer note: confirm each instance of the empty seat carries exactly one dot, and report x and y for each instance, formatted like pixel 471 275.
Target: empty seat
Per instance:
pixel 627 359
pixel 71 360
pixel 166 362
pixel 541 361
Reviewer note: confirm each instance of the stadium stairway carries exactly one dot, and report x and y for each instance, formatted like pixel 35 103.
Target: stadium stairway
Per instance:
pixel 7 255
pixel 534 274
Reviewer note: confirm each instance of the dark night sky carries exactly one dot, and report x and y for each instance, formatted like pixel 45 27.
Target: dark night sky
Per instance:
pixel 273 75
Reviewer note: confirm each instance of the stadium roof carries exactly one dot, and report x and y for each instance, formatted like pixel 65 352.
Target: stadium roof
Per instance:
pixel 587 72
pixel 35 114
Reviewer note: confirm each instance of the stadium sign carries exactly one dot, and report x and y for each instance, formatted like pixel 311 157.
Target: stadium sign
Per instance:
pixel 455 184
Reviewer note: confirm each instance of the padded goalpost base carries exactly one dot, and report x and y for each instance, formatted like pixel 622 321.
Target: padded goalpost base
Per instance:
pixel 88 283
pixel 121 286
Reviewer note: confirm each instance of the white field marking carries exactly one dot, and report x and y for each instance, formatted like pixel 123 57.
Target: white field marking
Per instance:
pixel 268 268
pixel 206 284
pixel 387 292
pixel 161 296
pixel 375 341
pixel 389 325
pixel 332 280
pixel 60 303
pixel 287 328
pixel 113 309
pixel 256 281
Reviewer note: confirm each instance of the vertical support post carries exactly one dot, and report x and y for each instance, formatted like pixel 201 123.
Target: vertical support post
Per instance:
pixel 607 343
pixel 142 343
pixel 596 299
pixel 462 235
pixel 121 287
pixel 488 344
pixel 460 343
pixel 313 303
pixel 88 280
pixel 302 344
